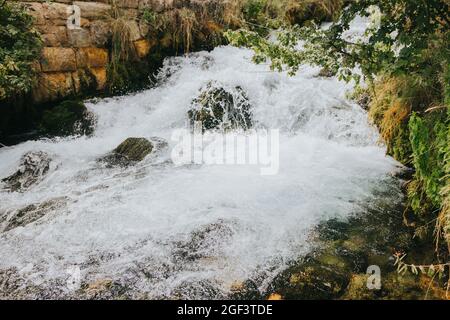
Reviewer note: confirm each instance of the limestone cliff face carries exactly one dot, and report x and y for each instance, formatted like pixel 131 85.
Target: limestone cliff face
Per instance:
pixel 73 58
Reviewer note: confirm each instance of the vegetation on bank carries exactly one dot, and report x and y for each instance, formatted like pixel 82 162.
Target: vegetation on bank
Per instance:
pixel 20 46
pixel 404 60
pixel 199 27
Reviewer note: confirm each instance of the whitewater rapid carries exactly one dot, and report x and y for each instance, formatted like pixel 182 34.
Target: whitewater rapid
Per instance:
pixel 195 230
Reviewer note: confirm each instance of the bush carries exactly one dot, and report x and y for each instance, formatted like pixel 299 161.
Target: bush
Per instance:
pixel 20 45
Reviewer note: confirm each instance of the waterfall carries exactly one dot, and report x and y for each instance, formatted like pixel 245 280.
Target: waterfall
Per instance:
pixel 193 230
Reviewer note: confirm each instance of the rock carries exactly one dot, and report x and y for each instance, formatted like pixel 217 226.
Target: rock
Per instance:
pixel 68 118
pixel 33 212
pixel 275 296
pixel 130 151
pixel 325 73
pixel 142 47
pixel 55 12
pixel 37 12
pixel 58 59
pixel 218 108
pixel 80 38
pixel 245 290
pixel 357 289
pixel 100 32
pixel 135 149
pixel 84 81
pixel 54 36
pixel 103 289
pixel 100 76
pixel 32 169
pixel 53 86
pixel 393 287
pixel 202 240
pixel 93 11
pixel 310 280
pixel 92 57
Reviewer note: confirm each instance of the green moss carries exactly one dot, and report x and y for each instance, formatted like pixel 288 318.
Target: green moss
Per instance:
pixel 69 117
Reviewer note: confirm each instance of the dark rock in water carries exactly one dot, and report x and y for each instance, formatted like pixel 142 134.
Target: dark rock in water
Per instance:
pixel 393 287
pixel 33 167
pixel 311 280
pixel 247 290
pixel 325 73
pixel 203 240
pixel 69 117
pixel 404 173
pixel 197 289
pixel 33 212
pixel 130 151
pixel 218 108
pixel 103 289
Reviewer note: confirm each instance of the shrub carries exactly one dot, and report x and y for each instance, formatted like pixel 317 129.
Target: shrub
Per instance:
pixel 20 45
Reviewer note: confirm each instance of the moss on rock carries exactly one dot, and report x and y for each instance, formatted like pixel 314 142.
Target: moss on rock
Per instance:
pixel 67 118
pixel 130 151
pixel 219 108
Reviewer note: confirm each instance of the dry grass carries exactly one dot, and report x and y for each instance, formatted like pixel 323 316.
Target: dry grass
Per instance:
pixel 232 13
pixel 122 47
pixel 188 23
pixel 294 10
pixel 393 100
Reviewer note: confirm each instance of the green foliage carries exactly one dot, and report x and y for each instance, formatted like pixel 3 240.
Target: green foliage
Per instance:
pixel 20 45
pixel 253 10
pixel 391 46
pixel 429 142
pixel 149 16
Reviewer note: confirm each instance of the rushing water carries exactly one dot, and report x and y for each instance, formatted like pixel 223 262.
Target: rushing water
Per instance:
pixel 194 230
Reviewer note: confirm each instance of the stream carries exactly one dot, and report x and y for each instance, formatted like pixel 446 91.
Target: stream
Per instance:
pixel 159 230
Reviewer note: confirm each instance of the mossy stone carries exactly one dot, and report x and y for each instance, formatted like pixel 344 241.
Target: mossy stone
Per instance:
pixel 130 151
pixel 69 117
pixel 135 149
pixel 311 280
pixel 218 108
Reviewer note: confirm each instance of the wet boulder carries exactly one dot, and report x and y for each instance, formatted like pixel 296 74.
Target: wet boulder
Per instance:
pixel 130 151
pixel 326 73
pixel 32 213
pixel 311 279
pixel 32 169
pixel 68 118
pixel 219 108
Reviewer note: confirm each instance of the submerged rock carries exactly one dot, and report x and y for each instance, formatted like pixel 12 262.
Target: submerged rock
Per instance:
pixel 33 212
pixel 312 280
pixel 102 289
pixel 69 117
pixel 393 287
pixel 130 151
pixel 219 108
pixel 201 242
pixel 32 169
pixel 325 73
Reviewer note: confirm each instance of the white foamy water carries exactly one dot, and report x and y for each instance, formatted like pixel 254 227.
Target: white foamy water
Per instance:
pixel 170 231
